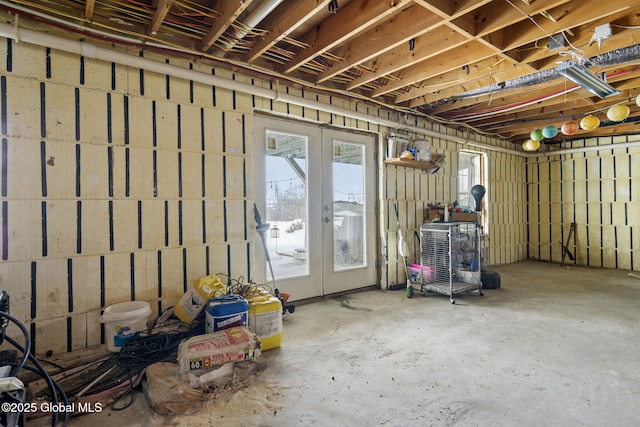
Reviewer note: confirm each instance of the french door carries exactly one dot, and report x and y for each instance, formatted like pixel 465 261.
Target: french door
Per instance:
pixel 315 187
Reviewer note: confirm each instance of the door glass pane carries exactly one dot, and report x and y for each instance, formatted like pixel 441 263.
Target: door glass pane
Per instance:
pixel 286 175
pixel 349 238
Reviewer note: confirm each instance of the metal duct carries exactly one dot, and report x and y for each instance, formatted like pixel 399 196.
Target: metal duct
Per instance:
pixel 615 57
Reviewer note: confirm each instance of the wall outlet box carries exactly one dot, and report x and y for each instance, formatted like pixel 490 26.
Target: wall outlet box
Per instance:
pixel 602 32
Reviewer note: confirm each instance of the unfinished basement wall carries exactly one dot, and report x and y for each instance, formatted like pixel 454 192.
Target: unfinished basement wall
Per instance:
pixel 599 191
pixel 117 184
pixel 504 233
pixel 120 184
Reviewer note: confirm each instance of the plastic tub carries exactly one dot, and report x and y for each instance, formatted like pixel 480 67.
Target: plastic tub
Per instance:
pixel 226 312
pixel 123 320
pixel 428 273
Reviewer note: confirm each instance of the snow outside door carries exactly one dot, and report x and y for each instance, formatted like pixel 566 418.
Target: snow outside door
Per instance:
pixel 315 187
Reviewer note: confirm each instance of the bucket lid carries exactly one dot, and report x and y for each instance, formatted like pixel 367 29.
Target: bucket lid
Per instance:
pixel 126 310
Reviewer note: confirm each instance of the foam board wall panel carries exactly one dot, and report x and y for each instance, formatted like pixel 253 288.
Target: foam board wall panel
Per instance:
pixel 224 97
pixel 579 168
pixel 195 257
pixel 608 167
pixel 51 337
pixel 236 228
pixel 61 227
pixel 191 222
pixel 213 175
pixel 178 90
pixel 238 259
pixel 243 101
pixel 152 85
pixel 166 125
pixel 607 190
pixel 23 106
pixel 97 74
pixel 65 67
pixel 24 168
pixel 191 134
pixel 621 192
pixel 172 269
pixel 17 275
pixel 192 172
pixel 52 296
pixel 60 162
pixel 167 170
pixel 580 191
pixel 93 328
pixel 117 274
pixel 85 283
pixel 140 287
pixel 29 61
pixel 94 171
pixel 125 220
pixel 580 213
pixel 233 134
pixel 213 131
pixel 24 230
pixel 235 167
pixel 140 122
pixel 60 112
pixel 139 173
pixel 214 221
pixel 201 92
pixel 219 262
pixel 115 130
pixel 153 224
pixel 152 284
pixel 593 190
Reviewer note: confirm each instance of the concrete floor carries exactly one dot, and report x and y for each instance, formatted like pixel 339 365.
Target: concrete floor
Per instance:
pixel 554 346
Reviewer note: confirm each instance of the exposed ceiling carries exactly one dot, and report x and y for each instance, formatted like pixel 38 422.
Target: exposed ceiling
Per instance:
pixel 490 65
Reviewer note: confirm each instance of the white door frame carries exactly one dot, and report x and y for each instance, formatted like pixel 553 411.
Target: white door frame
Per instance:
pixel 321 279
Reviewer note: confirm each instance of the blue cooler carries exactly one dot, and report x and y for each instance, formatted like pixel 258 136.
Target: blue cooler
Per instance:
pixel 225 312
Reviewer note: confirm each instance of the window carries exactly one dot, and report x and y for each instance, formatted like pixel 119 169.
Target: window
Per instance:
pixel 470 173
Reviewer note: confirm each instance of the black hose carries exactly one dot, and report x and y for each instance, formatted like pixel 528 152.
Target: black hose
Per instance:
pixel 26 350
pixel 53 386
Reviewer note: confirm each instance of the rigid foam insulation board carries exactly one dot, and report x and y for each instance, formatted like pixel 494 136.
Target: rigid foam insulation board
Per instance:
pixel 140 118
pixel 60 112
pixel 23 107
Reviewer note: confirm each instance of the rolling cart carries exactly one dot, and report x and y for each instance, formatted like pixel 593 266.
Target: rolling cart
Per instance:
pixel 450 258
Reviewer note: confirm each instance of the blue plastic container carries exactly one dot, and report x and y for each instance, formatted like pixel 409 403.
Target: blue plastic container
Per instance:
pixel 225 312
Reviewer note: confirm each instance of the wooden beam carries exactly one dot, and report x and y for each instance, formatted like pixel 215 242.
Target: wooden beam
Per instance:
pixel 285 19
pixel 229 12
pixel 395 33
pixel 448 10
pixel 354 18
pixel 437 45
pixel 89 6
pixel 574 14
pixel 454 59
pixel 439 41
pixel 162 8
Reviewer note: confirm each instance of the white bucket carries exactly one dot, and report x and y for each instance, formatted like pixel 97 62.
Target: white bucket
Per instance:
pixel 123 320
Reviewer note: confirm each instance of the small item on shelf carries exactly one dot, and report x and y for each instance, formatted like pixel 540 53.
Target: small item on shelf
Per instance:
pixel 406 155
pixel 424 151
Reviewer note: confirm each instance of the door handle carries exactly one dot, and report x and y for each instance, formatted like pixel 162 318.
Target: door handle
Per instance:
pixel 326 220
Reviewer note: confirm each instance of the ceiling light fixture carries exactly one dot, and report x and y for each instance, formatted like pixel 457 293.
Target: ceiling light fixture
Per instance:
pixel 581 76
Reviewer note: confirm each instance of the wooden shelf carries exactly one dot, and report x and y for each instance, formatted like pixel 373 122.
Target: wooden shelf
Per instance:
pixel 432 166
